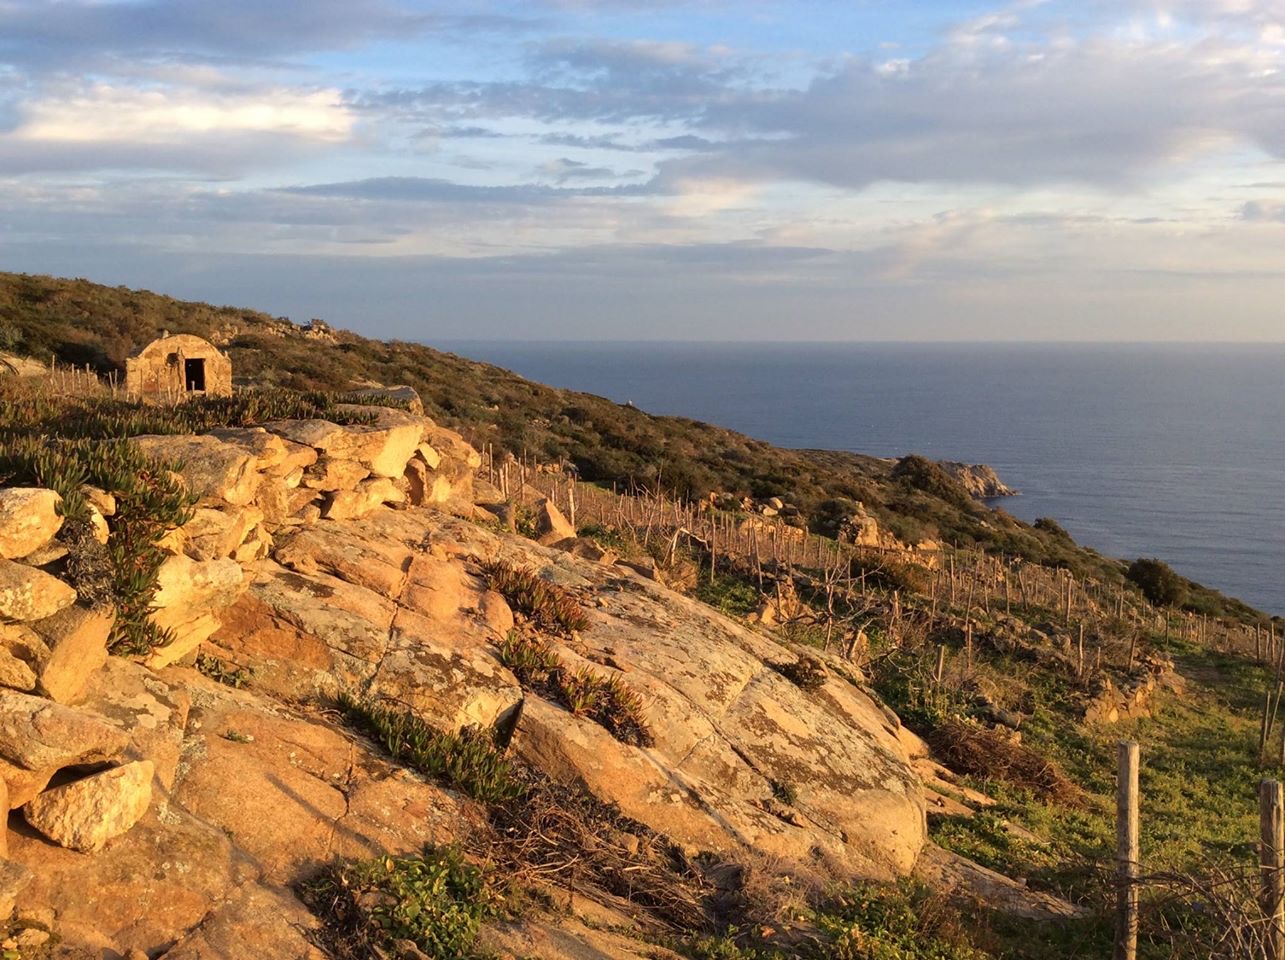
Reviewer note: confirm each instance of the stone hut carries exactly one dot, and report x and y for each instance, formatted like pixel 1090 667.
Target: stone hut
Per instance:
pixel 175 367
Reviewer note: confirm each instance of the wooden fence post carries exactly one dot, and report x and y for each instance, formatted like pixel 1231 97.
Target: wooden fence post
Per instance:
pixel 1126 916
pixel 1271 850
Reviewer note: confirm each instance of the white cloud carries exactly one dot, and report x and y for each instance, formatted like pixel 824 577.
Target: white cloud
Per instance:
pixel 88 127
pixel 106 113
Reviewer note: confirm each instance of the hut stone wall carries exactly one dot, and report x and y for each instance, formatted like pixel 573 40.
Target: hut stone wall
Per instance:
pixel 178 366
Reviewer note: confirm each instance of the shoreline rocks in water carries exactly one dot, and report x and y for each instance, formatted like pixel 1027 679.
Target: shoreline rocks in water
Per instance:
pixel 978 479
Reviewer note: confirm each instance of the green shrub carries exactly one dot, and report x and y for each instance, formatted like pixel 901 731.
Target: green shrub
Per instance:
pixel 468 762
pixel 530 658
pixel 545 604
pixel 604 699
pixel 1053 528
pixel 150 501
pixel 920 473
pixel 1157 581
pixel 784 792
pixel 435 900
pixel 220 671
pixel 887 572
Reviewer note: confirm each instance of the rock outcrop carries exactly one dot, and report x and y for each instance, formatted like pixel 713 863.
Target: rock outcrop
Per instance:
pixel 323 558
pixel 978 479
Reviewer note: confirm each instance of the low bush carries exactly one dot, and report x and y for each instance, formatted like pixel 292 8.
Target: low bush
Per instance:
pixel 150 501
pixel 435 900
pixel 604 699
pixel 467 762
pixel 545 604
pixel 972 749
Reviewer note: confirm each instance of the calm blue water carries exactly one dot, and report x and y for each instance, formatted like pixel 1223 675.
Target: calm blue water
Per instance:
pixel 1139 450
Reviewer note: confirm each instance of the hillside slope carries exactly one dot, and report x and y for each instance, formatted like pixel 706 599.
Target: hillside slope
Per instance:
pixel 83 323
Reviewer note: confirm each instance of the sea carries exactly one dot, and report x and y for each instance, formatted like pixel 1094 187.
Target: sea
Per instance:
pixel 1169 451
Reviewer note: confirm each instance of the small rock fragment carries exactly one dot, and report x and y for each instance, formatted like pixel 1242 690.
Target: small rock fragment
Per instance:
pixel 14 878
pixel 77 641
pixel 29 519
pixel 30 594
pixel 85 814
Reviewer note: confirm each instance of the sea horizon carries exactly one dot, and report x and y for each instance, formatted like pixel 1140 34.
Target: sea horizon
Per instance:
pixel 1171 450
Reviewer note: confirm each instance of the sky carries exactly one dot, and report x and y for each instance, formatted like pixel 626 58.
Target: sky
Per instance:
pixel 661 169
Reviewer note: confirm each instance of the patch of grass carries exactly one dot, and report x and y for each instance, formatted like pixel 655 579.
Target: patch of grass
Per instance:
pixel 96 418
pixel 901 922
pixel 545 604
pixel 221 671
pixel 732 595
pixel 467 762
pixel 436 900
pixel 606 536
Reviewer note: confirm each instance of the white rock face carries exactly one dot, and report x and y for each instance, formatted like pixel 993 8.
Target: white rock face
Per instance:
pixel 214 470
pixel 85 814
pixel 29 519
pixel 362 603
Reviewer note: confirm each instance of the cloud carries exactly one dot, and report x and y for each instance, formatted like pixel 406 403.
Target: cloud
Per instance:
pixel 104 126
pixel 104 113
pixel 604 81
pixel 1260 211
pixel 999 100
pixel 58 32
pixel 564 169
pixel 1100 111
pixel 431 190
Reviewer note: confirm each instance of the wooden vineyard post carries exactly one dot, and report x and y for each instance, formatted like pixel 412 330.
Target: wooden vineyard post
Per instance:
pixel 1126 916
pixel 1271 825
